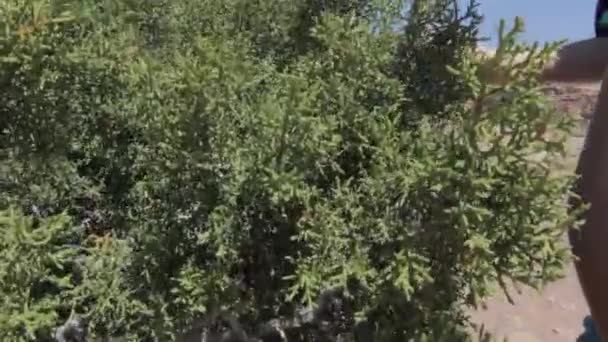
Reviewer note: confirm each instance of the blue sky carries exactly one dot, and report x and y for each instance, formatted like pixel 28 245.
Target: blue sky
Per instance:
pixel 546 20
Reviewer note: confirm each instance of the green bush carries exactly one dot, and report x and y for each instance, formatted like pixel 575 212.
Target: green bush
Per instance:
pixel 165 163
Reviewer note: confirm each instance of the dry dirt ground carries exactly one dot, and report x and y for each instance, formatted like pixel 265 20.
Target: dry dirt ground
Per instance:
pixel 557 312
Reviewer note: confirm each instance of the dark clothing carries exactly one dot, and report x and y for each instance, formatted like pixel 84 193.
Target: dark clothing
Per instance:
pixel 601 18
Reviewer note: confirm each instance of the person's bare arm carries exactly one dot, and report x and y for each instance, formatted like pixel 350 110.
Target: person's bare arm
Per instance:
pixel 581 61
pixel 589 243
pixel 587 61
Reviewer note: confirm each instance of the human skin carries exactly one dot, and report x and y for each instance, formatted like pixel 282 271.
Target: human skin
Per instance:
pixel 589 242
pixel 586 61
pixel 581 61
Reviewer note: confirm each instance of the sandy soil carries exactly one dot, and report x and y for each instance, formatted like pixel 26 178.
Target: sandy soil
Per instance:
pixel 556 314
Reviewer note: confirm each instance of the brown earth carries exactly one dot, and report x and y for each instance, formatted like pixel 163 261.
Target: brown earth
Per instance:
pixel 556 313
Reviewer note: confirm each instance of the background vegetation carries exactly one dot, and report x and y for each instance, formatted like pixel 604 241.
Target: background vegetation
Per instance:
pixel 330 168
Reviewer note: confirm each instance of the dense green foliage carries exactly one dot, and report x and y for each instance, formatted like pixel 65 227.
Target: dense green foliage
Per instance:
pixel 162 160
